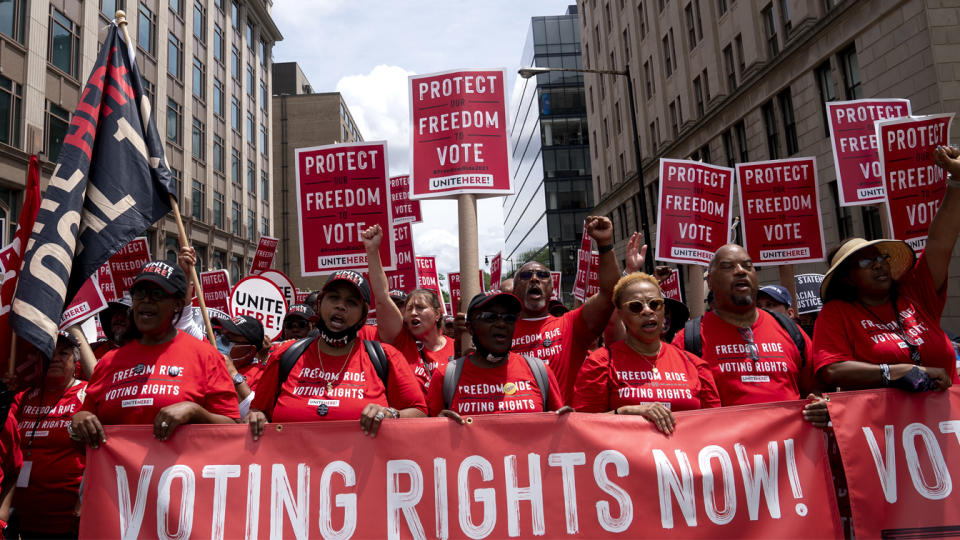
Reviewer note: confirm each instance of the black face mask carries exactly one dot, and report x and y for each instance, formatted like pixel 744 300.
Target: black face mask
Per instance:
pixel 341 338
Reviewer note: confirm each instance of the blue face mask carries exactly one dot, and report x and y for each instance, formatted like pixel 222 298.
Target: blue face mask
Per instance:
pixel 224 345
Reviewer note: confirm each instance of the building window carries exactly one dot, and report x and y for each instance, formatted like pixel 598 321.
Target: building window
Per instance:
pixel 785 101
pixel 844 217
pixel 667 62
pixel 738 42
pixel 199 79
pixel 696 12
pixel 698 95
pixel 149 89
pixel 197 200
pixel 11 103
pixel 174 116
pixel 251 130
pixel 606 134
pixel 198 138
pixel 199 20
pixel 217 153
pixel 264 185
pixel 851 72
pixel 770 124
pixel 872 224
pixel 653 195
pixel 648 79
pixel 58 120
pixel 235 218
pixel 251 225
pixel 705 153
pixel 218 209
pixel 251 178
pixel 110 7
pixel 721 6
pixel 770 30
pixel 264 226
pixel 263 95
pixel 653 137
pixel 250 41
pixel 217 43
pixel 263 139
pixel 824 76
pixel 674 121
pixel 176 7
pixel 235 64
pixel 263 53
pixel 217 98
pixel 643 19
pixel 235 15
pixel 64 44
pixel 235 114
pixel 785 18
pixel 691 26
pixel 730 67
pixel 146 29
pixel 251 82
pixel 626 44
pixel 235 167
pixel 728 149
pixel 174 57
pixel 706 85
pixel 740 131
pixel 178 178
pixel 616 112
pixel 13 19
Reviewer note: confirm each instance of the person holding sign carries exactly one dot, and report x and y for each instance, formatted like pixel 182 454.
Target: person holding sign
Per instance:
pixel 880 322
pixel 161 375
pixel 642 375
pixel 335 374
pixel 415 329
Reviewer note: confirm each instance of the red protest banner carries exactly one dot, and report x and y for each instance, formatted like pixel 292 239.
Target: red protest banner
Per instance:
pixel 459 136
pixel 780 209
pixel 555 279
pixel 216 289
pixel 342 189
pixel 854 143
pixel 914 184
pixel 495 271
pixel 453 282
pixel 405 210
pixel 427 277
pixel 266 250
pixel 695 210
pixel 671 286
pixel 105 279
pixel 88 301
pixel 898 450
pixel 126 264
pixel 754 471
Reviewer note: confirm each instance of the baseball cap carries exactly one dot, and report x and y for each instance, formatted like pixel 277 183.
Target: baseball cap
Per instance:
pixel 354 278
pixel 245 325
pixel 69 338
pixel 494 297
pixel 301 310
pixel 779 293
pixel 168 277
pixel 398 295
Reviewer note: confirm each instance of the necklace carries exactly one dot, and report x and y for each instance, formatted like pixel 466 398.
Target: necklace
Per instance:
pixel 339 373
pixel 653 365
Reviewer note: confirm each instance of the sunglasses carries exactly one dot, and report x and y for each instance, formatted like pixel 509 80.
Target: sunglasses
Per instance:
pixel 753 351
pixel 490 317
pixel 295 323
pixel 636 306
pixel 527 274
pixel 153 293
pixel 867 262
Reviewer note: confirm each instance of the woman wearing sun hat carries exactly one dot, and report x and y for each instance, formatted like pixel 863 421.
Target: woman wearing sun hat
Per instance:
pixel 880 324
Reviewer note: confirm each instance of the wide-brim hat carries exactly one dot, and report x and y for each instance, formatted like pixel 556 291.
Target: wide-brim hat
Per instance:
pixel 901 256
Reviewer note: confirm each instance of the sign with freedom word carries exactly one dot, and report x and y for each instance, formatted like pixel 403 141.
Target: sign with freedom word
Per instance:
pixel 284 283
pixel 405 210
pixel 88 302
pixel 671 286
pixel 453 282
pixel 808 293
pixel 427 277
pixel 495 264
pixel 695 211
pixel 342 189
pixel 404 278
pixel 587 283
pixel 216 289
pixel 914 184
pixel 261 299
pixel 557 281
pixel 854 142
pixel 105 279
pixel 459 134
pixel 126 264
pixel 780 209
pixel 266 251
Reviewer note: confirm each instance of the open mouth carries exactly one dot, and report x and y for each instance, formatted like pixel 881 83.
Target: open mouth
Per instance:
pixel 650 325
pixel 415 322
pixel 337 322
pixel 741 286
pixel 146 314
pixel 534 292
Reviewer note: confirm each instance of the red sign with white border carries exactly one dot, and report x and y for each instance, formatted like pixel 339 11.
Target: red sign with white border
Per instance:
pixel 427 277
pixel 216 289
pixel 459 134
pixel 405 210
pixel 780 210
pixel 302 296
pixel 261 299
pixel 284 283
pixel 695 211
pixel 88 301
pixel 266 251
pixel 495 264
pixel 588 282
pixel 126 264
pixel 105 279
pixel 671 286
pixel 342 189
pixel 453 281
pixel 555 278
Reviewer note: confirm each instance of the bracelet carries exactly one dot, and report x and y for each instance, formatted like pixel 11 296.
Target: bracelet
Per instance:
pixel 885 374
pixel 952 182
pixel 393 412
pixel 603 249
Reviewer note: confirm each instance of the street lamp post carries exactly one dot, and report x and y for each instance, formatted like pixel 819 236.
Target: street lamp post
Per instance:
pixel 528 72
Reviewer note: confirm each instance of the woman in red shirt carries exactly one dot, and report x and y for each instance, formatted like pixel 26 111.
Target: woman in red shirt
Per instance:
pixel 161 375
pixel 643 375
pixel 880 323
pixel 335 378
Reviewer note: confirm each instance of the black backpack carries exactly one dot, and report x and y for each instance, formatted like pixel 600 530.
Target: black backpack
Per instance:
pixel 378 357
pixel 454 367
pixel 693 341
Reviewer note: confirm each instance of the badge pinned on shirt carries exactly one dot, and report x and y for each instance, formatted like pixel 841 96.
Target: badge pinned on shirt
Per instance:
pixel 547 342
pixel 139 369
pixel 509 388
pixel 322 409
pixel 173 371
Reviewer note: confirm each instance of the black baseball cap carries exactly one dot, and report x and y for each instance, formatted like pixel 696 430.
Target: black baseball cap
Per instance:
pixel 301 310
pixel 245 325
pixel 168 277
pixel 354 278
pixel 69 338
pixel 494 297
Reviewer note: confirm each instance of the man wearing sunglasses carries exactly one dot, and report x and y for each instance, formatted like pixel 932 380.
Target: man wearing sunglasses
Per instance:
pixel 563 342
pixel 753 353
pixel 298 322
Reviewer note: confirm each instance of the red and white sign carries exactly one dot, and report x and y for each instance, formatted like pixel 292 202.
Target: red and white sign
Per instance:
pixel 780 209
pixel 914 184
pixel 126 264
pixel 671 286
pixel 105 280
pixel 261 299
pixel 495 264
pixel 405 210
pixel 427 276
pixel 695 211
pixel 555 279
pixel 302 296
pixel 749 472
pixel 583 265
pixel 266 251
pixel 587 283
pixel 404 278
pixel 284 283
pixel 459 134
pixel 216 289
pixel 853 138
pixel 899 450
pixel 342 189
pixel 88 301
pixel 453 282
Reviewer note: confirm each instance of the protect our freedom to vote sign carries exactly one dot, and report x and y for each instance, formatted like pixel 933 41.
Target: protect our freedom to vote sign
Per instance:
pixel 695 210
pixel 342 189
pixel 459 134
pixel 261 299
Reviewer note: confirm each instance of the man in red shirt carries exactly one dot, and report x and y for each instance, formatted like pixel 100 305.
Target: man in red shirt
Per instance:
pixel 563 342
pixel 752 356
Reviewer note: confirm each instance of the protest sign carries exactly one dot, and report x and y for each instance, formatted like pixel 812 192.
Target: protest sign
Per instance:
pixel 780 209
pixel 755 471
pixel 914 184
pixel 453 282
pixel 404 278
pixel 266 251
pixel 216 289
pixel 405 210
pixel 284 283
pixel 495 263
pixel 587 282
pixel 555 279
pixel 671 286
pixel 260 298
pixel 126 264
pixel 583 265
pixel 695 211
pixel 342 189
pixel 854 143
pixel 302 296
pixel 459 134
pixel 105 280
pixel 427 276
pixel 808 293
pixel 88 301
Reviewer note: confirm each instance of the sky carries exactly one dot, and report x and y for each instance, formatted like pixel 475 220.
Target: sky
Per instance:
pixel 366 49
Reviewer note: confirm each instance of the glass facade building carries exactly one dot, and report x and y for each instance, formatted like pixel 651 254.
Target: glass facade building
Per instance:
pixel 551 152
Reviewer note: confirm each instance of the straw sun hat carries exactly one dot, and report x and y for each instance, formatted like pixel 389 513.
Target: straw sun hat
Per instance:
pixel 901 260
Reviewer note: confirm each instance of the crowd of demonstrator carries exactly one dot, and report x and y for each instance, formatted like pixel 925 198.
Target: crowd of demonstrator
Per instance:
pixel 627 350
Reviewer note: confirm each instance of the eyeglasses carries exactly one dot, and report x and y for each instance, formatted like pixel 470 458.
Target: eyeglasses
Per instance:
pixel 728 265
pixel 295 323
pixel 527 274
pixel 636 306
pixel 867 262
pixel 153 293
pixel 490 317
pixel 753 351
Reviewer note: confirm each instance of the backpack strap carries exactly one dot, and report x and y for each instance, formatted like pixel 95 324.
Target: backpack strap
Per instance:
pixel 378 357
pixel 795 333
pixel 290 357
pixel 539 370
pixel 450 379
pixel 692 340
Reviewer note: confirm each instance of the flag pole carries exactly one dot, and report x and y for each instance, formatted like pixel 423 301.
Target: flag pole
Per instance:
pixel 121 17
pixel 11 369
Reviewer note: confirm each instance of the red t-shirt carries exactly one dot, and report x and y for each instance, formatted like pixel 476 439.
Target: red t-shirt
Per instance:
pixel 423 367
pixel 305 389
pixel 682 381
pixel 11 458
pixel 507 388
pixel 561 342
pixel 774 377
pixel 46 504
pixel 846 331
pixel 131 384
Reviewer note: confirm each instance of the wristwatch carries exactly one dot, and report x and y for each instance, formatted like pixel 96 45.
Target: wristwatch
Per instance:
pixel 393 412
pixel 238 379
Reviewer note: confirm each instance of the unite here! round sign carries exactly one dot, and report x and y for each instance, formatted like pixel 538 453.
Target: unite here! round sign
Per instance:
pixel 261 299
